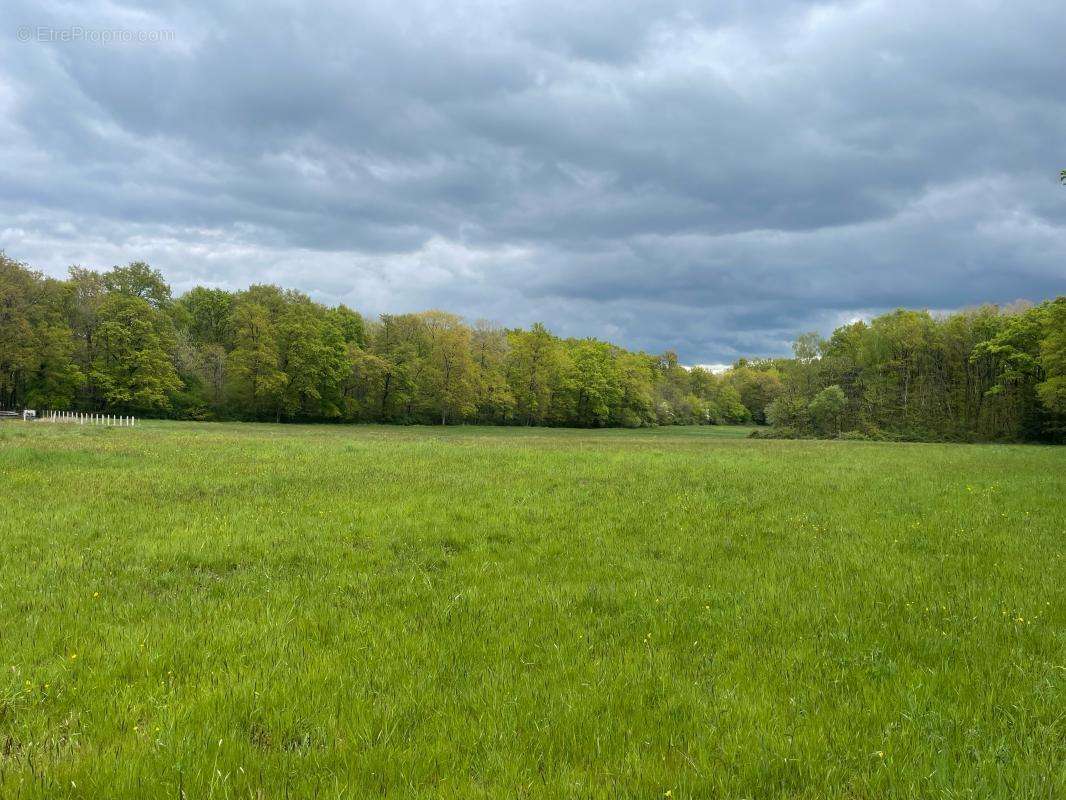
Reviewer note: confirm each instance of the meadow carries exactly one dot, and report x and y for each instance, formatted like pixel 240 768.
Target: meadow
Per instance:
pixel 259 611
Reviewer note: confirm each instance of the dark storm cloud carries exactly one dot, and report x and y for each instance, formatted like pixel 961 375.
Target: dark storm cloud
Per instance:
pixel 658 174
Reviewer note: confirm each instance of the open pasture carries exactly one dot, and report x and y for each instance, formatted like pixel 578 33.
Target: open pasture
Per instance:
pixel 257 611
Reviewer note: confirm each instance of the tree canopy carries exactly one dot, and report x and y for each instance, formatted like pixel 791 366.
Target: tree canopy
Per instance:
pixel 987 373
pixel 120 341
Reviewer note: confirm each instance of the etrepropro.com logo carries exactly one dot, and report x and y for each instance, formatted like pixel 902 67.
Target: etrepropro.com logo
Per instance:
pixel 77 33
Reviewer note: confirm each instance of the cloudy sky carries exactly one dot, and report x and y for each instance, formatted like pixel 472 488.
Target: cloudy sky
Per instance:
pixel 659 174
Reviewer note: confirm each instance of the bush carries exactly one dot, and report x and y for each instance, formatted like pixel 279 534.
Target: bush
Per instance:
pixel 826 409
pixel 788 411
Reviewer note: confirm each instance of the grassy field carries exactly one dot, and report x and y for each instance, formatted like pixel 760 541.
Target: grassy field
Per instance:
pixel 257 611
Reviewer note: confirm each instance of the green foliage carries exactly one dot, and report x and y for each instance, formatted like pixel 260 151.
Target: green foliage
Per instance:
pixel 788 411
pixel 140 281
pixel 56 379
pixel 757 388
pixel 448 376
pixel 313 359
pixel 350 324
pixel 118 341
pixel 17 346
pixel 535 371
pixel 209 314
pixel 1052 359
pixel 254 364
pixel 827 409
pixel 980 374
pixel 132 368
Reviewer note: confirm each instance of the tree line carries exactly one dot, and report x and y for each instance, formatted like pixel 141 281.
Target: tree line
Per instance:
pixel 983 374
pixel 119 341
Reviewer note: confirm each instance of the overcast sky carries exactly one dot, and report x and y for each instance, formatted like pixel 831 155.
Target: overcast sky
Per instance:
pixel 656 174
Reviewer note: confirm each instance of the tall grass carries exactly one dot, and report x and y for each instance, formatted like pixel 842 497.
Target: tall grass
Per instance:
pixel 253 611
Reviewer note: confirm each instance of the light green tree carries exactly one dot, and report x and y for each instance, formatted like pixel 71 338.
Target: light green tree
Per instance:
pixel 448 377
pixel 533 368
pixel 256 382
pixel 494 400
pixel 139 280
pixel 1052 390
pixel 132 364
pixel 596 383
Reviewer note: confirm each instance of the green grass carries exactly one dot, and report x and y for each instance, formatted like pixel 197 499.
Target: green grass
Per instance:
pixel 256 611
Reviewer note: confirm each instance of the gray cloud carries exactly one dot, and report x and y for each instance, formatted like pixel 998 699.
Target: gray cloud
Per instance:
pixel 655 173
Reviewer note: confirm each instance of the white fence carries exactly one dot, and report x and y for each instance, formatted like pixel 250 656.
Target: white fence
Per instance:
pixel 78 418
